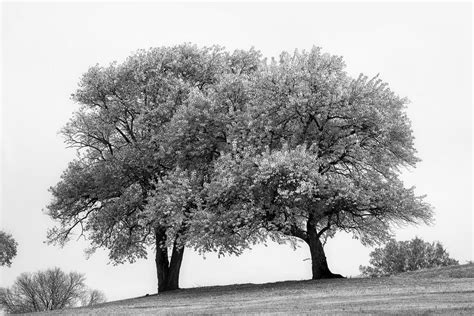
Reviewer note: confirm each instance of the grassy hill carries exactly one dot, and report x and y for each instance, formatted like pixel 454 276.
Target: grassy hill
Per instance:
pixel 447 290
pixel 460 271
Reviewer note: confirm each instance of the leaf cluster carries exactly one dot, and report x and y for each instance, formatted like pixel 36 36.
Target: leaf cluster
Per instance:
pixel 8 249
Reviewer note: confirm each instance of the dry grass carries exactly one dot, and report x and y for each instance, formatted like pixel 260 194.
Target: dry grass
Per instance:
pixel 440 291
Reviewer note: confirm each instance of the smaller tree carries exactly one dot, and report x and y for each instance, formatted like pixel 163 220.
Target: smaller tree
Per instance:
pixel 47 290
pixel 93 297
pixel 8 247
pixel 402 256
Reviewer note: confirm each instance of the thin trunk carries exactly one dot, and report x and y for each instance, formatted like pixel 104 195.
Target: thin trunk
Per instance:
pixel 319 264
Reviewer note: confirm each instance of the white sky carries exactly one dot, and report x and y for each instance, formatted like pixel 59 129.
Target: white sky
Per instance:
pixel 422 50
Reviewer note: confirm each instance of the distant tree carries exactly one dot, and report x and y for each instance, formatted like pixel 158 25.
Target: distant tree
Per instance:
pixel 402 256
pixel 93 297
pixel 47 290
pixel 318 152
pixel 8 249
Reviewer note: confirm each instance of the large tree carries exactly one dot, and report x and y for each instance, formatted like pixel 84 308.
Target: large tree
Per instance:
pixel 147 133
pixel 320 153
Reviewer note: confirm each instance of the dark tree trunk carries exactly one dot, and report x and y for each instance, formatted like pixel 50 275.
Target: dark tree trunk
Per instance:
pixel 167 271
pixel 161 259
pixel 319 265
pixel 174 267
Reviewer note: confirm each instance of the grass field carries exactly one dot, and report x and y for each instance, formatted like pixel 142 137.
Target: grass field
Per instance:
pixel 436 291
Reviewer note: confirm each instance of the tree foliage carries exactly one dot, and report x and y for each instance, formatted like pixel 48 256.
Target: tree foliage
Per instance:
pixel 47 290
pixel 8 249
pixel 318 152
pixel 144 124
pixel 93 297
pixel 402 256
pixel 197 147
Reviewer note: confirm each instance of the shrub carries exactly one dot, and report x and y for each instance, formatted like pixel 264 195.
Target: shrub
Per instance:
pixel 402 256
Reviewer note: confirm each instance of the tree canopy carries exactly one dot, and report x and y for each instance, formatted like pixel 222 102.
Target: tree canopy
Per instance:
pixel 145 123
pixel 197 147
pixel 320 152
pixel 8 249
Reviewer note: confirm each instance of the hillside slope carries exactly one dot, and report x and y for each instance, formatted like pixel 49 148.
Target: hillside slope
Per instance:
pixel 460 271
pixel 433 292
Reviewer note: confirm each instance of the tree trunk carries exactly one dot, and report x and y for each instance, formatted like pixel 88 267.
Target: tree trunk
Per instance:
pixel 167 272
pixel 174 267
pixel 161 259
pixel 319 265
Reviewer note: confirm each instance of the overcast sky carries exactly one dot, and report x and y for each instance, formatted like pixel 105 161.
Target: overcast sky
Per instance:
pixel 422 50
